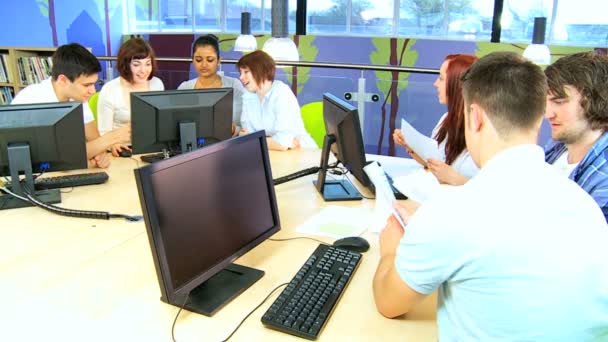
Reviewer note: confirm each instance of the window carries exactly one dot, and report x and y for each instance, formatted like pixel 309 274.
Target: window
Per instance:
pixel 569 22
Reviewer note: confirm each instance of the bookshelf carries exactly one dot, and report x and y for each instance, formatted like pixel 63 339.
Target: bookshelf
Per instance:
pixel 21 66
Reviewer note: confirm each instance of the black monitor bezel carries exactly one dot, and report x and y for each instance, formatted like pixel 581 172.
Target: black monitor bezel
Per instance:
pixel 340 150
pixel 157 146
pixel 145 190
pixel 73 112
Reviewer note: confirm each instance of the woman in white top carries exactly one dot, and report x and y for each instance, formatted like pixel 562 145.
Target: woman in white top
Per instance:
pixel 456 166
pixel 206 60
pixel 136 62
pixel 270 105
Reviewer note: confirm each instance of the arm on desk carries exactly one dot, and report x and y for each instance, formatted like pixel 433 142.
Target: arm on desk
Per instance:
pixel 392 295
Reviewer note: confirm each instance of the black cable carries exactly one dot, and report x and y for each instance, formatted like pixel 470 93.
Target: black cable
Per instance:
pixel 102 215
pixel 299 237
pixel 177 315
pixel 295 175
pixel 252 311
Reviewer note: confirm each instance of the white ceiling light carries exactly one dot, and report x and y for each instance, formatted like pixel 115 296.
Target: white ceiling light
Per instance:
pixel 538 52
pixel 280 46
pixel 245 42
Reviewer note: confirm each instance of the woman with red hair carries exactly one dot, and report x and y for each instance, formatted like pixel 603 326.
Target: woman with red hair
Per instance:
pixel 457 166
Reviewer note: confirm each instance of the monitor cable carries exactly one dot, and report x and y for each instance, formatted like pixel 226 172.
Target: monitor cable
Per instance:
pixel 295 175
pixel 252 311
pixel 102 215
pixel 177 315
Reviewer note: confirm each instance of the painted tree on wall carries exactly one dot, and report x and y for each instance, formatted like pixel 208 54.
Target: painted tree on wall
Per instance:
pixel 105 8
pixel 399 53
pixel 308 53
pixel 47 8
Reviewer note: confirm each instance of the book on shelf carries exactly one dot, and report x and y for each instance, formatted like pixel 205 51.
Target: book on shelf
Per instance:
pixel 6 95
pixel 34 69
pixel 4 73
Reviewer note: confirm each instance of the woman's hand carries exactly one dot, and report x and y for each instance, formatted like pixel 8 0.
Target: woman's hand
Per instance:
pixel 399 138
pixel 445 173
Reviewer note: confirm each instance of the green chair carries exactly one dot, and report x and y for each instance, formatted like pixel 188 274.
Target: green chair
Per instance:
pixel 93 104
pixel 312 115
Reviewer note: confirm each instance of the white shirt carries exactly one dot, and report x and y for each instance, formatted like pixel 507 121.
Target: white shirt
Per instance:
pixel 237 95
pixel 562 165
pixel 112 109
pixel 43 92
pixel 278 113
pixel 463 164
pixel 517 253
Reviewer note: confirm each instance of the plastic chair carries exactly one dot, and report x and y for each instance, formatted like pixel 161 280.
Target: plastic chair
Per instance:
pixel 93 104
pixel 312 115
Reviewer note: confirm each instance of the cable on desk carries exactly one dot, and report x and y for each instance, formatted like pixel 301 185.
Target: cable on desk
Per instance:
pixel 252 311
pixel 177 315
pixel 299 237
pixel 102 215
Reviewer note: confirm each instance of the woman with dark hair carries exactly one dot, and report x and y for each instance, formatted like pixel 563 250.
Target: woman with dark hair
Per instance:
pixel 270 104
pixel 135 63
pixel 456 166
pixel 206 60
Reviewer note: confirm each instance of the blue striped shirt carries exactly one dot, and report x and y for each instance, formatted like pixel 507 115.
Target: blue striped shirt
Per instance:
pixel 591 174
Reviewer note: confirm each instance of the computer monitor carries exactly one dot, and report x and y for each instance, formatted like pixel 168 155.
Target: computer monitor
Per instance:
pixel 343 138
pixel 37 138
pixel 175 121
pixel 203 210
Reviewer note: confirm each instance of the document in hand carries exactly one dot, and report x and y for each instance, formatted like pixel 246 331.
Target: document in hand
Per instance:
pixel 424 146
pixel 418 186
pixel 385 199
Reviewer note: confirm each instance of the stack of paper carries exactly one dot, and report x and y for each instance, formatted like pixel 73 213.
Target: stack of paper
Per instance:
pixel 337 222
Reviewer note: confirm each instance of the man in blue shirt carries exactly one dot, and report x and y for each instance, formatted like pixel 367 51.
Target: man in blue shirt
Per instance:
pixel 577 109
pixel 519 252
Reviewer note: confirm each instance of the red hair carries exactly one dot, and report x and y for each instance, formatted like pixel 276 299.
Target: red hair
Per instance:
pixel 452 126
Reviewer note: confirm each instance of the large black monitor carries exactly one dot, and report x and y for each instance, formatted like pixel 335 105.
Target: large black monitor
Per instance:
pixel 344 139
pixel 176 121
pixel 37 138
pixel 203 210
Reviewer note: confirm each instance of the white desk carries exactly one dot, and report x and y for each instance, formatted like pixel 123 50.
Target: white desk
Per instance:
pixel 80 279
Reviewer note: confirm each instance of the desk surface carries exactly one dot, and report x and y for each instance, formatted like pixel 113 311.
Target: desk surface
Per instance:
pixel 83 279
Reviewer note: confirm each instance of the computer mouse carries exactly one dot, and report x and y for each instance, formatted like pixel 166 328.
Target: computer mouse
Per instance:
pixel 352 243
pixel 125 153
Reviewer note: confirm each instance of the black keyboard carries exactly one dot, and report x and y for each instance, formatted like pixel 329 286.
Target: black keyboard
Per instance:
pixel 68 181
pixel 156 157
pixel 304 307
pixel 301 173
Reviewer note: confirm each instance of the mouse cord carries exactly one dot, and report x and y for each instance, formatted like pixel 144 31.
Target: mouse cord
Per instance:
pixel 252 311
pixel 299 237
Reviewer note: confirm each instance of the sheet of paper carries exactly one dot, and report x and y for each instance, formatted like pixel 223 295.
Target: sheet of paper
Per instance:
pixel 419 185
pixel 337 222
pixel 424 146
pixel 385 199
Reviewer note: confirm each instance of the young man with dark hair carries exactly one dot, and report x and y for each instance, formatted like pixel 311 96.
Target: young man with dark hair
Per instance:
pixel 73 77
pixel 518 252
pixel 577 109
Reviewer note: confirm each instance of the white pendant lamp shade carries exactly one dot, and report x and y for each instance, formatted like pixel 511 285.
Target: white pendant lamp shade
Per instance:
pixel 245 42
pixel 538 52
pixel 280 46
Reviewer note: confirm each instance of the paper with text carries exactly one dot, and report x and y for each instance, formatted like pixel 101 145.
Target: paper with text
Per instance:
pixel 424 146
pixel 385 199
